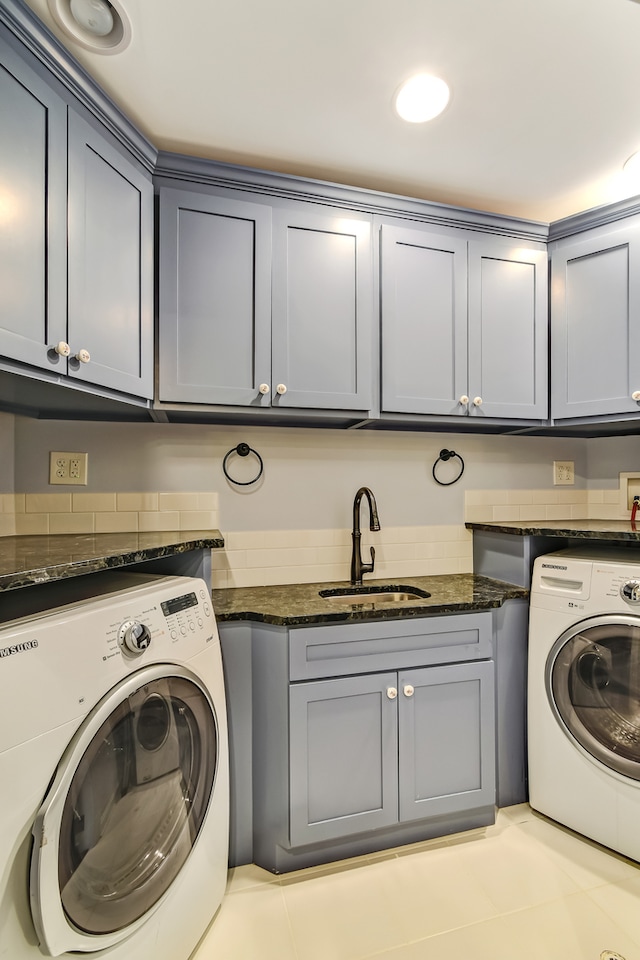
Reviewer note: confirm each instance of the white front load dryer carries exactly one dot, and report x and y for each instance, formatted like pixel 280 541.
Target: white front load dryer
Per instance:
pixel 584 694
pixel 114 789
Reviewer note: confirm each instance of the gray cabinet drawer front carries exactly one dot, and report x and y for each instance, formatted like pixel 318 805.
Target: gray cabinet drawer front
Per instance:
pixel 329 651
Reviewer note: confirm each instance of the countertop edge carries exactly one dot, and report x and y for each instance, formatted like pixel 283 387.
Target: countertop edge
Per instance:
pixel 101 552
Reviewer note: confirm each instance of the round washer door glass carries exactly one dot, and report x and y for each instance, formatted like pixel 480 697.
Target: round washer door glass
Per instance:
pixel 135 799
pixel 593 681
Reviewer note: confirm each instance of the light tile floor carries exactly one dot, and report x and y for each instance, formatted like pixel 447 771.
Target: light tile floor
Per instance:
pixel 523 889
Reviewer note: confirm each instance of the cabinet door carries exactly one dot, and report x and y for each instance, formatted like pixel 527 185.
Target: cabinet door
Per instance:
pixel 595 322
pixel 446 739
pixel 343 761
pixel 424 321
pixel 33 223
pixel 215 299
pixel 110 264
pixel 508 330
pixel 322 320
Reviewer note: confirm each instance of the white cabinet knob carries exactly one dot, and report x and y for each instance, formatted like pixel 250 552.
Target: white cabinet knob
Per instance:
pixel 408 690
pixel 392 693
pixel 264 388
pixel 477 401
pixel 281 388
pixel 83 356
pixel 62 348
pixel 635 395
pixel 464 400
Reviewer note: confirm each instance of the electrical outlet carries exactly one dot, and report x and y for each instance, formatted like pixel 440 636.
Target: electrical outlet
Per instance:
pixel 563 472
pixel 68 468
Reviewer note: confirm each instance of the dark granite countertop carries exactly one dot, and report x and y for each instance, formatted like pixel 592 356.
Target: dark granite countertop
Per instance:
pixel 299 603
pixel 576 529
pixel 27 561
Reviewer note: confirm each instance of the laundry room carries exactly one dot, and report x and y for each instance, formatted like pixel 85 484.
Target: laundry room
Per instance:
pixel 319 470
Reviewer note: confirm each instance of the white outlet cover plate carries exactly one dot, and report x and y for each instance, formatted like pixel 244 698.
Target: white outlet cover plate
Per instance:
pixel 61 471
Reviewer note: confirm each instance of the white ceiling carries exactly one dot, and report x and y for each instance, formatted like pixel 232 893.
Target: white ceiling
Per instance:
pixel 545 104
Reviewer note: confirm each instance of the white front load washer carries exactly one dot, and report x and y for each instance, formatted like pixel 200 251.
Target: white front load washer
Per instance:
pixel 114 789
pixel 584 694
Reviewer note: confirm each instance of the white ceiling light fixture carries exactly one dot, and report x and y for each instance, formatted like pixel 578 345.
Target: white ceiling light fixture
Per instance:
pixel 422 98
pixel 101 26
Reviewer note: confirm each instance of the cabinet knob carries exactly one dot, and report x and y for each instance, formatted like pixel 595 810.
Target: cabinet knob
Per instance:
pixel 392 693
pixel 281 388
pixel 62 348
pixel 83 356
pixel 408 690
pixel 464 400
pixel 635 395
pixel 264 388
pixel 477 401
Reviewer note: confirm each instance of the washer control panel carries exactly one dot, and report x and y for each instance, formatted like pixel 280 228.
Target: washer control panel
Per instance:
pixel 186 613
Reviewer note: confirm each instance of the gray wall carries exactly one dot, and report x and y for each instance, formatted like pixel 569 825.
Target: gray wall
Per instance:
pixel 609 456
pixel 310 475
pixel 7 452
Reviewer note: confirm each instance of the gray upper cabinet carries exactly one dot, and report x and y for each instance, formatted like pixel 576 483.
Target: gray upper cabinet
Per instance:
pixel 595 322
pixel 76 241
pixel 508 330
pixel 33 220
pixel 215 299
pixel 456 312
pixel 110 265
pixel 424 321
pixel 261 306
pixel 322 309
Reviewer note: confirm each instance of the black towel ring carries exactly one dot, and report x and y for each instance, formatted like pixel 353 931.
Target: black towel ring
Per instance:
pixel 444 456
pixel 243 450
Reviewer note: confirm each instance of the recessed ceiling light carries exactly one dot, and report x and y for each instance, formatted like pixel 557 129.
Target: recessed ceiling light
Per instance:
pixel 101 26
pixel 421 98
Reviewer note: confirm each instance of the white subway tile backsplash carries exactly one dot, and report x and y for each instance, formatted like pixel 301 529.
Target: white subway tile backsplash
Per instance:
pixel 48 503
pixel 149 520
pixel 7 524
pixel 197 520
pixel 116 522
pixel 71 523
pixel 137 502
pixel 32 524
pixel 94 503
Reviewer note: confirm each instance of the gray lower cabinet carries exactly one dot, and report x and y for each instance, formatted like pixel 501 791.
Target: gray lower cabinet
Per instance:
pixel 375 750
pixel 76 241
pixel 263 305
pixel 595 328
pixel 363 735
pixel 464 325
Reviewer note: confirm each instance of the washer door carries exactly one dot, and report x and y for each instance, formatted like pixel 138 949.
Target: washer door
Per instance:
pixel 593 684
pixel 124 810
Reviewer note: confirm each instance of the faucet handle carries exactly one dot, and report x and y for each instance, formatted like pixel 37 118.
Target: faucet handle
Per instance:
pixel 373 559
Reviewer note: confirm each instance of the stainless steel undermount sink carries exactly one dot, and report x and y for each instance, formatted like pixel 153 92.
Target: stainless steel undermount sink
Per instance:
pixel 392 593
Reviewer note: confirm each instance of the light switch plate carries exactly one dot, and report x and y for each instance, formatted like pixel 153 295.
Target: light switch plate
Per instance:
pixel 68 468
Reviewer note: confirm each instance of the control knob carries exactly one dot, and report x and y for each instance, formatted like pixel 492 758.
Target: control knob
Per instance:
pixel 134 638
pixel 630 591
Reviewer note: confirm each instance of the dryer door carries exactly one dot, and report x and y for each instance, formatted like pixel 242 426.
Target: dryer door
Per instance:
pixel 124 810
pixel 593 684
